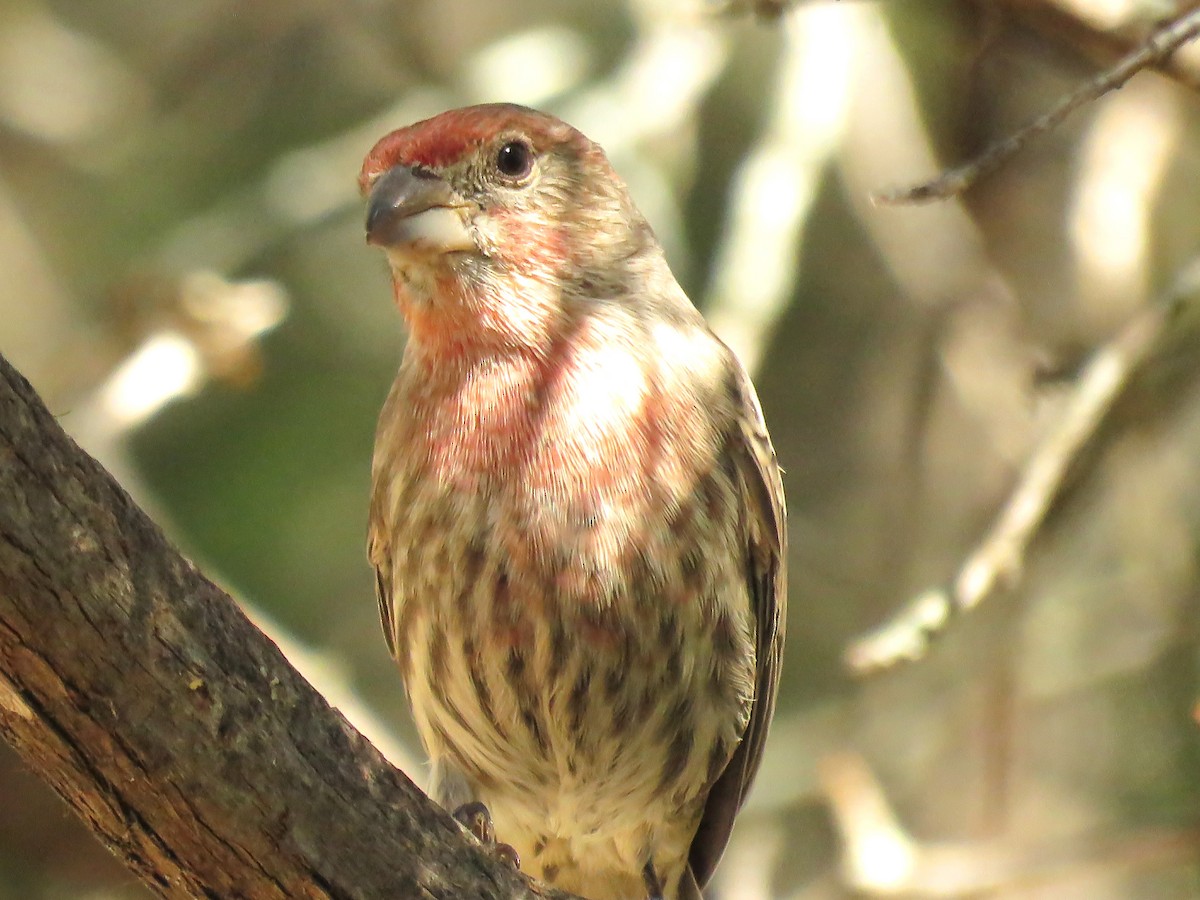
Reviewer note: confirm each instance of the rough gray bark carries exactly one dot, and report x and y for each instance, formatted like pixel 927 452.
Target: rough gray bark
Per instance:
pixel 174 727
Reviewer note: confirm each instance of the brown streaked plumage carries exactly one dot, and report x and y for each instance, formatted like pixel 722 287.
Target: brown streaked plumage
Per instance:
pixel 577 520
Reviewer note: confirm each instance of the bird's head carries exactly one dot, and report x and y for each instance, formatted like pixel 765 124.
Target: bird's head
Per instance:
pixel 493 217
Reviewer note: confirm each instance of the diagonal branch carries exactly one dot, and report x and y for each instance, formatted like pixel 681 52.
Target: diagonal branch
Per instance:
pixel 1104 32
pixel 999 557
pixel 173 727
pixel 1156 48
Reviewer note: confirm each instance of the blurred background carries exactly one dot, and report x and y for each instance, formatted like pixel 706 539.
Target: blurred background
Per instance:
pixel 185 282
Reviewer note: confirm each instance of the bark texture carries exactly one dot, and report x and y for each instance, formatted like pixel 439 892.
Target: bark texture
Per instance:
pixel 171 724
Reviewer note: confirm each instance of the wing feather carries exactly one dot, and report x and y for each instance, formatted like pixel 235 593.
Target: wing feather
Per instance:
pixel 376 542
pixel 766 575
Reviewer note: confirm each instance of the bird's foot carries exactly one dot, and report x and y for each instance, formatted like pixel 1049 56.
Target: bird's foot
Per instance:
pixel 476 819
pixel 654 889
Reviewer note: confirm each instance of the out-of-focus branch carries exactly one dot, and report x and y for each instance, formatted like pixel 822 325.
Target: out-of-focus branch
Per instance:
pixel 1104 31
pixel 776 185
pixel 172 726
pixel 1157 47
pixel 1000 554
pixel 880 858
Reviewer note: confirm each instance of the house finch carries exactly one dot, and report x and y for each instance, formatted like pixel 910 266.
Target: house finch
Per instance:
pixel 576 515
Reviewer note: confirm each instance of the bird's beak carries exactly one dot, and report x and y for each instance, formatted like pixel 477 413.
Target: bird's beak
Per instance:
pixel 410 209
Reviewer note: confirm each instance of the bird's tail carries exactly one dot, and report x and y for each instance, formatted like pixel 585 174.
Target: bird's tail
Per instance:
pixel 688 889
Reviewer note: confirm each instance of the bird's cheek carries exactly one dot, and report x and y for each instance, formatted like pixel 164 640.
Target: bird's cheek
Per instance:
pixel 489 233
pixel 524 242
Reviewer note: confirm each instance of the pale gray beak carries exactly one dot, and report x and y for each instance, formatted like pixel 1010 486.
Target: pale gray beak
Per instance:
pixel 413 209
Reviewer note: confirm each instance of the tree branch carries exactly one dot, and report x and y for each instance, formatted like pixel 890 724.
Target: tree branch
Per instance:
pixel 1157 47
pixel 1000 555
pixel 1104 33
pixel 172 726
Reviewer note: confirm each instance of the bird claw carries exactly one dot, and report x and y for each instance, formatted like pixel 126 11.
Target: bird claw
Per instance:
pixel 477 820
pixel 506 853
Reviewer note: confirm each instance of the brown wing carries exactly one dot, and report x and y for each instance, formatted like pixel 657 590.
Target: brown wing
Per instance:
pixel 383 595
pixel 380 517
pixel 376 544
pixel 766 574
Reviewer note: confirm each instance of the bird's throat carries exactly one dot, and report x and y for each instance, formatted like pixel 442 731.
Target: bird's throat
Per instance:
pixel 463 309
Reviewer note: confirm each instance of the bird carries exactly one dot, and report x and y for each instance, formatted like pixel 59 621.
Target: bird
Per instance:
pixel 576 519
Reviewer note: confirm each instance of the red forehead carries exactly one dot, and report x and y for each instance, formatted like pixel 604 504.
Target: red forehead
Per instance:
pixel 445 138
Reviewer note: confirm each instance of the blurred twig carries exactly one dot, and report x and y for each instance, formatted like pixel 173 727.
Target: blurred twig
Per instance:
pixel 775 188
pixel 764 9
pixel 882 859
pixel 1000 554
pixel 1103 31
pixel 955 181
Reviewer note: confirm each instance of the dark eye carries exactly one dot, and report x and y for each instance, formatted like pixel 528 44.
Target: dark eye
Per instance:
pixel 515 160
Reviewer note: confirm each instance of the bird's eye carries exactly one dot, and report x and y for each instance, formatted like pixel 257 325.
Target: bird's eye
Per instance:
pixel 514 160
